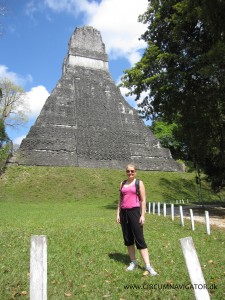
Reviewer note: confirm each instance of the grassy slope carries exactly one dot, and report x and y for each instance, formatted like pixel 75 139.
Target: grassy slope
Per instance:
pixel 60 184
pixel 75 208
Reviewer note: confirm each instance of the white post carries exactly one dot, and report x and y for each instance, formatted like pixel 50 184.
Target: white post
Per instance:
pixel 164 209
pixel 149 207
pixel 158 208
pixel 181 215
pixel 153 208
pixel 38 267
pixel 192 220
pixel 194 269
pixel 172 212
pixel 207 222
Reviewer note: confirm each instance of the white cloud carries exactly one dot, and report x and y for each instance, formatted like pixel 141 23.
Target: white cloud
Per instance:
pixel 36 98
pixel 14 77
pixel 129 99
pixel 31 8
pixel 73 7
pixel 117 21
pixel 34 101
pixel 134 57
pixel 18 140
pixel 63 5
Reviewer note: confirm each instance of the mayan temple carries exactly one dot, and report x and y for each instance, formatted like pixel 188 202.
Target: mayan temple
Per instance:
pixel 86 122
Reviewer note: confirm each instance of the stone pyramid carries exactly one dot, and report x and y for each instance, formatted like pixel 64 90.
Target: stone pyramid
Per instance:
pixel 86 122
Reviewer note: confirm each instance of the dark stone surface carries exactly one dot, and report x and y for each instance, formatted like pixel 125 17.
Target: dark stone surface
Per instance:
pixel 86 122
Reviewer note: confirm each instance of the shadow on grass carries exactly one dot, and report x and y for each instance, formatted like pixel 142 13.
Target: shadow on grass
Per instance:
pixel 212 203
pixel 112 205
pixel 214 211
pixel 185 188
pixel 122 258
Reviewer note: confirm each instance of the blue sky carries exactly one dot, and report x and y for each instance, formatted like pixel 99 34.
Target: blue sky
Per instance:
pixel 35 36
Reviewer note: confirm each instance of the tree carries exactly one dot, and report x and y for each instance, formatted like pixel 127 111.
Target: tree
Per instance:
pixel 183 71
pixel 13 105
pixel 3 135
pixel 2 127
pixel 167 135
pixel 13 113
pixel 5 145
pixel 4 149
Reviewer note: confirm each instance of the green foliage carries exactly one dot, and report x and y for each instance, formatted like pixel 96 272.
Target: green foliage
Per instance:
pixel 166 133
pixel 4 147
pixel 3 135
pixel 76 209
pixel 4 152
pixel 183 72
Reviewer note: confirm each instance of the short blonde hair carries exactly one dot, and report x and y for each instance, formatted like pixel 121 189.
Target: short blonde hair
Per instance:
pixel 131 166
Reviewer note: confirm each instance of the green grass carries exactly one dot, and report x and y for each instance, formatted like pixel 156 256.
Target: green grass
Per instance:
pixel 75 209
pixel 59 184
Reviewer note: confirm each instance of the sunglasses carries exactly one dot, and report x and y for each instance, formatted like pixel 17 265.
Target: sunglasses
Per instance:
pixel 130 171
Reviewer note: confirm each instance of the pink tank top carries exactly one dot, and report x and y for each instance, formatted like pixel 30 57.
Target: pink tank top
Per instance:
pixel 130 198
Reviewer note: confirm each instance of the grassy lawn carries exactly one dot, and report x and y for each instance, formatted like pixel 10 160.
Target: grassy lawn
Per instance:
pixel 75 209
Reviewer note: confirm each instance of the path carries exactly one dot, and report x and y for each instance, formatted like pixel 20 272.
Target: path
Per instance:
pixel 216 213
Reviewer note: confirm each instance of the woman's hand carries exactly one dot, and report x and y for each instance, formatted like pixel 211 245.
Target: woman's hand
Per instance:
pixel 118 219
pixel 142 220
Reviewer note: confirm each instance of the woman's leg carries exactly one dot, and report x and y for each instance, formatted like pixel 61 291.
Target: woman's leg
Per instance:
pixel 133 262
pixel 145 256
pixel 128 240
pixel 131 251
pixel 137 230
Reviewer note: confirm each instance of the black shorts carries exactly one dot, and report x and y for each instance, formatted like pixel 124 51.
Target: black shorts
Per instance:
pixel 132 229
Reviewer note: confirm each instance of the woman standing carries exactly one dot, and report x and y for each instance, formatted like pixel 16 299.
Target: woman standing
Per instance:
pixel 131 216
